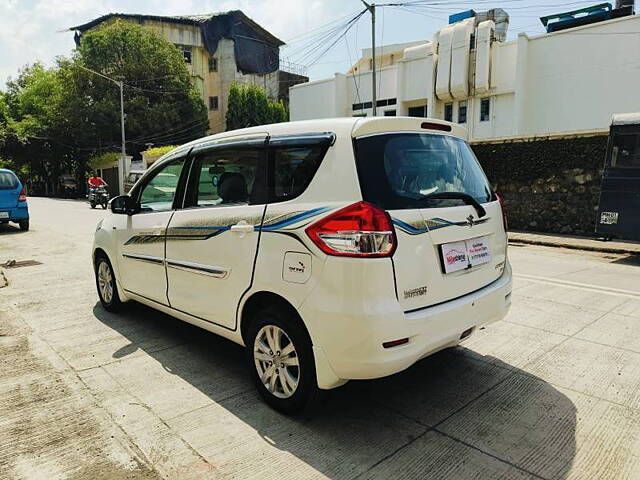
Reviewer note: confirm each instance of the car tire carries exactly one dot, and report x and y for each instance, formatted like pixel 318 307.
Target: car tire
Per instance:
pixel 292 386
pixel 24 225
pixel 106 285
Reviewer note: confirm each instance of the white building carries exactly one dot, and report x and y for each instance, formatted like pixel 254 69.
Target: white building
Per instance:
pixel 567 82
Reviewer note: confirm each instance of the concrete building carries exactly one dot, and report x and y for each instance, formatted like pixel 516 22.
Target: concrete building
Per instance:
pixel 219 49
pixel 567 82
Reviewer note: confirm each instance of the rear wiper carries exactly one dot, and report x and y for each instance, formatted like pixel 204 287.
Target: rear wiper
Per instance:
pixel 465 197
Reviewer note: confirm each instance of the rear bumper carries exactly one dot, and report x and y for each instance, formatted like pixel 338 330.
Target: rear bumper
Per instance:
pixel 353 350
pixel 16 214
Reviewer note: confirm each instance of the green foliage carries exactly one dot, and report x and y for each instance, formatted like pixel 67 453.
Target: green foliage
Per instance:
pixel 160 98
pixel 54 120
pixel 249 105
pixel 4 119
pixel 159 151
pixel 104 160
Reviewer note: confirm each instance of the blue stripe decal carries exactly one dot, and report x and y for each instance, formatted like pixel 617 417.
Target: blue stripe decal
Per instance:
pixel 439 223
pixel 274 226
pixel 408 228
pixel 204 228
pixel 295 218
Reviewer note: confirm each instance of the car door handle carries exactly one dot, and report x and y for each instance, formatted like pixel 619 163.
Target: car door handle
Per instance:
pixel 242 228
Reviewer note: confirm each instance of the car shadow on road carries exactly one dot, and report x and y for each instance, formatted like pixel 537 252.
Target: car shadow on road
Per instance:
pixel 9 229
pixel 456 414
pixel 633 260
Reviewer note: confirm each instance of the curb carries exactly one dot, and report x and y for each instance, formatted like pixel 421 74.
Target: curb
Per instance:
pixel 574 246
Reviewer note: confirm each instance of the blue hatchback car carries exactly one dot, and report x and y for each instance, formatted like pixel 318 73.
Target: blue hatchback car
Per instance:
pixel 13 200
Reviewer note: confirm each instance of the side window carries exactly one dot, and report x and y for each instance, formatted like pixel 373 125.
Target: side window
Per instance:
pixel 294 167
pixel 485 106
pixel 230 177
pixel 625 151
pixel 158 193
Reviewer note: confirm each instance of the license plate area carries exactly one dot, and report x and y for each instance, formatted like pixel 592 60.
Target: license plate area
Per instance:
pixel 465 254
pixel 4 214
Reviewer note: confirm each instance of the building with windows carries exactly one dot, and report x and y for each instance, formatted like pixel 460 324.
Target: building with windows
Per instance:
pixel 567 81
pixel 219 49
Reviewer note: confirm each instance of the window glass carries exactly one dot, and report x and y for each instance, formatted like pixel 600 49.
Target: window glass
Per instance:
pixel 448 112
pixel 399 171
pixel 625 150
pixel 485 105
pixel 419 112
pixel 294 168
pixel 389 113
pixel 462 112
pixel 227 177
pixel 8 181
pixel 158 194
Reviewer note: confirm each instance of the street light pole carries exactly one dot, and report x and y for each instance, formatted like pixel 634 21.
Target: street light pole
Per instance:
pixel 372 10
pixel 123 154
pixel 123 149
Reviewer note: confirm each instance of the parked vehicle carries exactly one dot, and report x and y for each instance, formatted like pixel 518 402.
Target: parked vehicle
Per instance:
pixel 132 177
pixel 332 249
pixel 13 200
pixel 98 196
pixel 68 186
pixel 619 206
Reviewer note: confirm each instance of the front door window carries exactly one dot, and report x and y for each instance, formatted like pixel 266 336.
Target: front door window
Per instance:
pixel 158 194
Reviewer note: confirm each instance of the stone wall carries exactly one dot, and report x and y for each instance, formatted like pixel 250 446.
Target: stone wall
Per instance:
pixel 549 185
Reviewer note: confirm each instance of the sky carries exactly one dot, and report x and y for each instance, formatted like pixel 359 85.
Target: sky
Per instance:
pixel 34 30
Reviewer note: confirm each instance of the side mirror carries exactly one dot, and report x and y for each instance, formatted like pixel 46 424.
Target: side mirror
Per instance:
pixel 123 205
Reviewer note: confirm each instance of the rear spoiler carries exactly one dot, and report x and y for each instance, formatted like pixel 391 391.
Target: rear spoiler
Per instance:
pixel 371 126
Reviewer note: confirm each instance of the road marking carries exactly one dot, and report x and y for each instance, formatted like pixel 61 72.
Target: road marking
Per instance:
pixel 580 286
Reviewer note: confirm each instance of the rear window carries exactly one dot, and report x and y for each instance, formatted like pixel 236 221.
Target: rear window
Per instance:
pixel 400 170
pixel 8 181
pixel 294 169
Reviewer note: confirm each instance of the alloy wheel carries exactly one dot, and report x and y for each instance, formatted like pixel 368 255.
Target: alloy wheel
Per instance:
pixel 105 281
pixel 276 361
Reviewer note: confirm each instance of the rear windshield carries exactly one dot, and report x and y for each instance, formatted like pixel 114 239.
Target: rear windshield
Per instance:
pixel 8 181
pixel 400 170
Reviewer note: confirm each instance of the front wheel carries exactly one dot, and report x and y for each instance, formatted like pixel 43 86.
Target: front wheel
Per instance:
pixel 93 204
pixel 104 205
pixel 106 285
pixel 280 357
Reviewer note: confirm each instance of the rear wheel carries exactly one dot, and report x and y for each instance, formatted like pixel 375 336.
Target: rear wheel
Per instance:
pixel 24 225
pixel 281 360
pixel 106 285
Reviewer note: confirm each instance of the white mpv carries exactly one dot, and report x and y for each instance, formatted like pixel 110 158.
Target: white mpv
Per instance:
pixel 332 249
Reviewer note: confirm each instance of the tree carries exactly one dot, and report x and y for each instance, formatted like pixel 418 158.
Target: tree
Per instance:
pixel 33 104
pixel 249 105
pixel 59 118
pixel 162 105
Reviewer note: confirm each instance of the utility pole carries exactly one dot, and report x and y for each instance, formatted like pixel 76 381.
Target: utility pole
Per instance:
pixel 123 154
pixel 371 7
pixel 123 150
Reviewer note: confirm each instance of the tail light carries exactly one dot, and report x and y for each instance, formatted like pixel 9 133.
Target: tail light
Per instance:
pixel 23 195
pixel 504 213
pixel 359 230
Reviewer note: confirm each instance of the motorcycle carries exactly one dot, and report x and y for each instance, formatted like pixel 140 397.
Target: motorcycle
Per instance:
pixel 98 196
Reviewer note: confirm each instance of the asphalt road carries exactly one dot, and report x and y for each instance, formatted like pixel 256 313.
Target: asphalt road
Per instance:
pixel 551 392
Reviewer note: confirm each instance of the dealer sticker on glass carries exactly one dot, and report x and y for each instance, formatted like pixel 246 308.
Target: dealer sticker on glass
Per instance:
pixel 609 218
pixel 465 254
